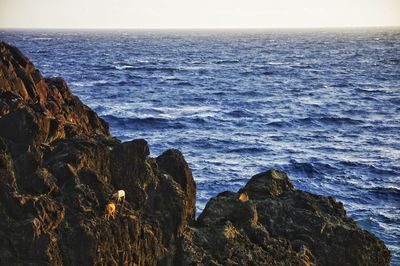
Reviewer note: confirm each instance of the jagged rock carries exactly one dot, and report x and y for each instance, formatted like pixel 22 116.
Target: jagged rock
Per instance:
pixel 173 163
pixel 45 109
pixel 312 229
pixel 272 183
pixel 59 167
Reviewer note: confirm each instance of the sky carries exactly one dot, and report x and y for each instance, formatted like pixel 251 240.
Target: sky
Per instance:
pixel 167 14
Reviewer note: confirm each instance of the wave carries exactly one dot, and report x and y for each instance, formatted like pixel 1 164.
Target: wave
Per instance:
pixel 372 169
pixel 101 67
pixel 124 83
pixel 147 68
pixel 269 73
pixel 130 75
pixel 307 169
pixel 342 85
pixel 199 99
pixel 246 72
pixel 393 187
pixel 89 83
pixel 380 171
pixel 395 101
pixel 42 39
pixel 148 120
pixel 329 120
pixel 171 78
pixel 227 61
pixel 279 124
pixel 138 123
pixel 388 193
pixel 315 121
pixel 250 93
pixel 340 120
pixel 301 66
pixel 239 113
pixel 219 93
pixel 184 83
pixel 395 61
pixel 378 90
pixel 247 150
pixel 124 67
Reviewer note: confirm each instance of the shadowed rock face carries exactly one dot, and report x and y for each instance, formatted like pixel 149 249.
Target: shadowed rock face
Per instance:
pixel 59 167
pixel 275 219
pixel 38 111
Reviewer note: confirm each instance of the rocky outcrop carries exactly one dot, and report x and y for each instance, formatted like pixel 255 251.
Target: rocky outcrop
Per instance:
pixel 59 166
pixel 269 222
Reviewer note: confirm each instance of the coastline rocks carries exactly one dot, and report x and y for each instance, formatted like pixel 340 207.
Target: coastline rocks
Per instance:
pixel 45 109
pixel 59 167
pixel 312 229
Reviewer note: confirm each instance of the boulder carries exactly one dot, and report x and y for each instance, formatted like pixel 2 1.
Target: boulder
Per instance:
pixel 279 225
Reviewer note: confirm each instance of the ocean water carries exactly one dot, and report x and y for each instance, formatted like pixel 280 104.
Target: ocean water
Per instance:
pixel 323 105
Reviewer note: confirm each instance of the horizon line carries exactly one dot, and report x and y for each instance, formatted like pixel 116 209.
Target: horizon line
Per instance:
pixel 202 28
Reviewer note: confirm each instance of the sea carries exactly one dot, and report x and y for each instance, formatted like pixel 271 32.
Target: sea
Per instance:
pixel 321 104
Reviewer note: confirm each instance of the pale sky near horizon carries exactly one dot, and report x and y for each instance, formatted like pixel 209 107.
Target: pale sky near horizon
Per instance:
pixel 198 14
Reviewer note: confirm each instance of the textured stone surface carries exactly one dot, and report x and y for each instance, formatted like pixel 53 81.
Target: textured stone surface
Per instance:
pixel 279 225
pixel 59 167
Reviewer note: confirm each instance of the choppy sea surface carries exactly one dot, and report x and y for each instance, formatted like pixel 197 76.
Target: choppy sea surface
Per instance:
pixel 323 105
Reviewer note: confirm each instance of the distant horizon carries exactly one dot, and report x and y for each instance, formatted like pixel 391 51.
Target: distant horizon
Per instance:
pixel 205 29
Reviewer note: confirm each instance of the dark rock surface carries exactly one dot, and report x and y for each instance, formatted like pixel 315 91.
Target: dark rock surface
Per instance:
pixel 59 166
pixel 268 218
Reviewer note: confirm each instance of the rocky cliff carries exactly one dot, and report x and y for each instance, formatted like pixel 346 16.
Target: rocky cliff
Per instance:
pixel 59 167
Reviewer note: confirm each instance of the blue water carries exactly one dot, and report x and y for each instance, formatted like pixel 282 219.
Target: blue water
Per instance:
pixel 322 105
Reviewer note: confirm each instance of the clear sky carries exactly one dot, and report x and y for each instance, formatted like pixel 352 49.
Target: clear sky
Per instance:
pixel 197 13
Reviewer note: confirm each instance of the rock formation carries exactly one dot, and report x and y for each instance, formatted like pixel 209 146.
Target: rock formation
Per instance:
pixel 268 222
pixel 59 167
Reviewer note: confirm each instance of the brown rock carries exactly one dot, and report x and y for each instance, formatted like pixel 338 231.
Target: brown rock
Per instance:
pixel 312 229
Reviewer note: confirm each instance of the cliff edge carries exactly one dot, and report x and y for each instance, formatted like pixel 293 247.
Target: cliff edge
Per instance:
pixel 59 167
